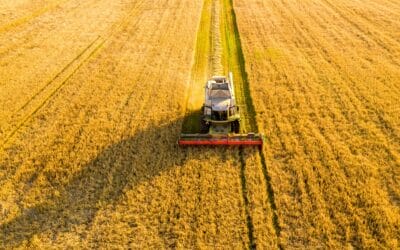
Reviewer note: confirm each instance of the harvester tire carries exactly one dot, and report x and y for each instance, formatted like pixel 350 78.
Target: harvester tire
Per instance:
pixel 235 127
pixel 204 127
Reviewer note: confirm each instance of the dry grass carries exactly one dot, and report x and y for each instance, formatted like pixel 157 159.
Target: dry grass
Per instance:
pixel 325 81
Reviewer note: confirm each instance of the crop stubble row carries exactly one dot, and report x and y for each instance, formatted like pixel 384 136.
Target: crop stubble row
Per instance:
pixel 258 193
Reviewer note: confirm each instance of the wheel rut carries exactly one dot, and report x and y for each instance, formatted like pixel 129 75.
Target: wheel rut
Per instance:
pixel 59 80
pixel 234 61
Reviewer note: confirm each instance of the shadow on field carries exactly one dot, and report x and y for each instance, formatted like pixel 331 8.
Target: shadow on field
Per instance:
pixel 99 183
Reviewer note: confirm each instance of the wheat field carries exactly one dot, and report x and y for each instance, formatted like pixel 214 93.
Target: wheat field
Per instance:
pixel 325 81
pixel 94 95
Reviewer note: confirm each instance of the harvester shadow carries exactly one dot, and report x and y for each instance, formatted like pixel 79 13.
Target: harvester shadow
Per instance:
pixel 100 182
pixel 191 122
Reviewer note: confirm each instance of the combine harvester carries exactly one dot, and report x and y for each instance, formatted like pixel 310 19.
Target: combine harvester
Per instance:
pixel 220 121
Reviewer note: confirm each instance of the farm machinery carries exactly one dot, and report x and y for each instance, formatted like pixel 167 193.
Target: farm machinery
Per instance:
pixel 220 119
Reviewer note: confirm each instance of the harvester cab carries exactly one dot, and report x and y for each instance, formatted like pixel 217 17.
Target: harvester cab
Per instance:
pixel 220 120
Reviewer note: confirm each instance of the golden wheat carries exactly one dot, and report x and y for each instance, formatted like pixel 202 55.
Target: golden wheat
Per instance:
pixel 325 81
pixel 94 95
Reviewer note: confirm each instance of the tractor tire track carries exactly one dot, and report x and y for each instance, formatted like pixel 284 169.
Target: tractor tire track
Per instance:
pixel 63 70
pixel 66 73
pixel 78 132
pixel 245 195
pixel 235 61
pixel 233 50
pixel 89 51
pixel 27 34
pixel 37 74
pixel 25 19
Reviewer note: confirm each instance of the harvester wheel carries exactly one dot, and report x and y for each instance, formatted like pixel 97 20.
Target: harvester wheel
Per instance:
pixel 235 127
pixel 205 128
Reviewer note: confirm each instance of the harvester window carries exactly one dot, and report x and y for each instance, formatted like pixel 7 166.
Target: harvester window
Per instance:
pixel 219 86
pixel 220 93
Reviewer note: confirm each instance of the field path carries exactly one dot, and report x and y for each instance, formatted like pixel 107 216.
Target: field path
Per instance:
pixel 258 193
